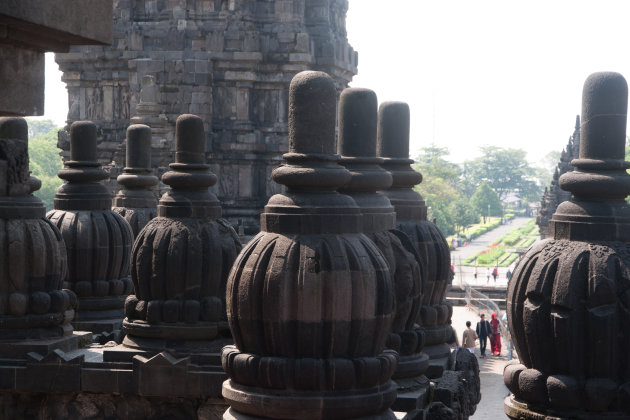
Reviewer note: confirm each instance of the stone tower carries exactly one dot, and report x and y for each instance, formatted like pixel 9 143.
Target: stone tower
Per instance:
pixel 555 195
pixel 567 302
pixel 228 61
pixel 310 300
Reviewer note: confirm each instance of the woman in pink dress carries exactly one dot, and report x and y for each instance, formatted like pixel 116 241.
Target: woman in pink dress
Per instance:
pixel 496 335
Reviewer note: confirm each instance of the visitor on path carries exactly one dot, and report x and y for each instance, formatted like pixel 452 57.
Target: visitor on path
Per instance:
pixel 488 275
pixel 476 272
pixel 496 334
pixel 469 338
pixel 508 275
pixel 483 330
pixel 495 273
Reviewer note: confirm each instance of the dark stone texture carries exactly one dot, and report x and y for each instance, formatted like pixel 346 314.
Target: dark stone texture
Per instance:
pixel 33 256
pixel 182 258
pixel 461 360
pixel 429 245
pixel 98 240
pixel 230 62
pixel 310 348
pixel 568 298
pixel 38 24
pixel 31 27
pixel 357 147
pixel 87 405
pixel 136 201
pixel 23 87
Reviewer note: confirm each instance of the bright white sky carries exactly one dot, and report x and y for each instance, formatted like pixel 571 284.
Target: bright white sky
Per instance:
pixel 488 72
pixel 497 72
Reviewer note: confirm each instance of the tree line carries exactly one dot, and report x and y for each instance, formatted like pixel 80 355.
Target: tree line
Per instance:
pixel 459 195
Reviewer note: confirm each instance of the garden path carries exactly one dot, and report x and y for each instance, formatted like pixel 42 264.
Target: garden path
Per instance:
pixel 464 274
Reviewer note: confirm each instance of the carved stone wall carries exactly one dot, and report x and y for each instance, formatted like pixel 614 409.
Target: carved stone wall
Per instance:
pixel 228 61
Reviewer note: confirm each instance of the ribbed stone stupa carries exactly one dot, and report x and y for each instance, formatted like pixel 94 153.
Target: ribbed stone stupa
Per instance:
pixel 310 299
pixel 33 305
pixel 98 240
pixel 181 259
pixel 569 298
pixel 411 218
pixel 136 201
pixel 358 110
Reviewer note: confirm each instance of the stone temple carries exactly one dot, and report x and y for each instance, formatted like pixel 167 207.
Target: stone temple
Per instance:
pixel 228 61
pixel 309 320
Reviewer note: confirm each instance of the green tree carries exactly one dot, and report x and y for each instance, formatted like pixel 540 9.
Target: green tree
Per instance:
pixel 432 163
pixel 504 170
pixel 39 127
pixel 438 195
pixel 464 214
pixel 44 162
pixel 486 201
pixel 439 186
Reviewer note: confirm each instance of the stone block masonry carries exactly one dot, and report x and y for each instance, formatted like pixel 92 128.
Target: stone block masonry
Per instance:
pixel 230 62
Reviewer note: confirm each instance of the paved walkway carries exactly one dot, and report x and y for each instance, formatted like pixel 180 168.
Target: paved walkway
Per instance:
pixel 464 274
pixel 493 390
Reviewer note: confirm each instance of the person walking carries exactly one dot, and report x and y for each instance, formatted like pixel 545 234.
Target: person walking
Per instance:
pixel 488 275
pixel 496 334
pixel 483 330
pixel 469 338
pixel 495 273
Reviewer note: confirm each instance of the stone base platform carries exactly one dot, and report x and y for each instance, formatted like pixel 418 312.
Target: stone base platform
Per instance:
pixel 67 343
pixel 413 393
pixel 518 410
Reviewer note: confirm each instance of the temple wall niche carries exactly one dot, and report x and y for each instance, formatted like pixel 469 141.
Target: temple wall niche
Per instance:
pixel 228 61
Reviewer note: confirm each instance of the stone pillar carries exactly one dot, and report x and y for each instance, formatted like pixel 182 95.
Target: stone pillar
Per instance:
pixel 136 201
pixel 357 147
pixel 568 300
pixel 98 240
pixel 310 299
pixel 35 312
pixel 428 242
pixel 181 260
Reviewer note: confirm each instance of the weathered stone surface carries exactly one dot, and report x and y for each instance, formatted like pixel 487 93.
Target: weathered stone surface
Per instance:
pixel 33 255
pixel 310 298
pixel 87 405
pixel 98 240
pixel 136 202
pixel 182 258
pixel 38 25
pixel 568 297
pixel 357 147
pixel 30 27
pixel 431 249
pixel 230 62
